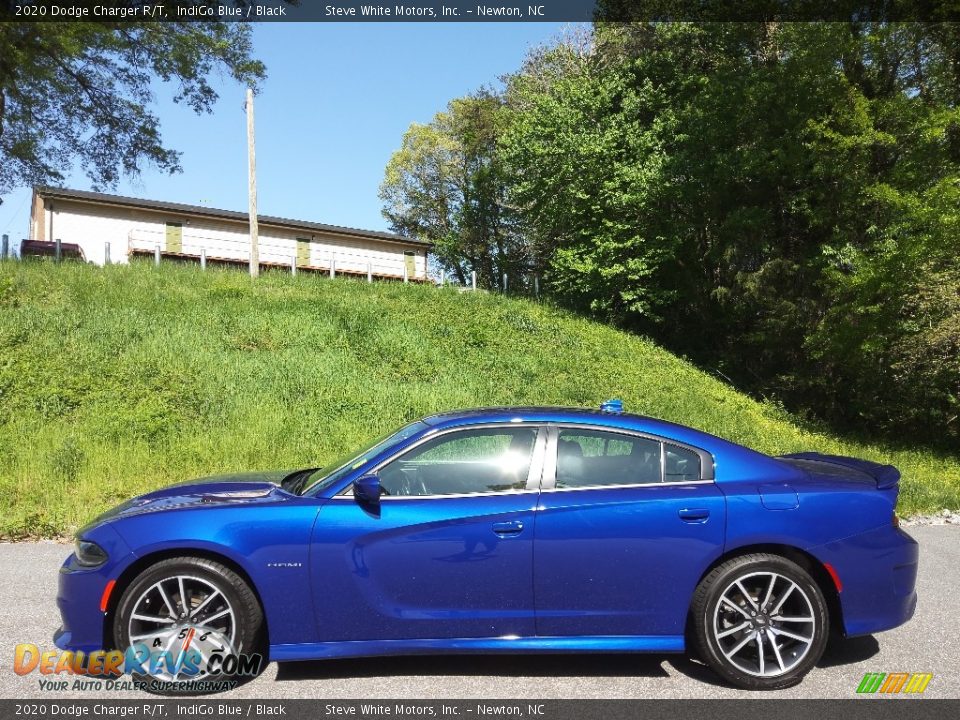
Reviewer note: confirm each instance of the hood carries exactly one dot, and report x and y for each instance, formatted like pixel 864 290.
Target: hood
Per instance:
pixel 242 488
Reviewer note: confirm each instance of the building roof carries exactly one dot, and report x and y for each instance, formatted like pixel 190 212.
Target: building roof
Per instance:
pixel 199 210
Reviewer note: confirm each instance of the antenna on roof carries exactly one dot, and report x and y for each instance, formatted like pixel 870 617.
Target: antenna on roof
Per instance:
pixel 614 405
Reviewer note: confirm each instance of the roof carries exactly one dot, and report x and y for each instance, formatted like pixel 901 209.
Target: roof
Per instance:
pixel 525 412
pixel 199 210
pixel 588 416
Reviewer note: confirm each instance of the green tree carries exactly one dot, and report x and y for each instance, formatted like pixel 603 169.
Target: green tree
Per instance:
pixel 776 200
pixel 80 93
pixel 445 184
pixel 584 156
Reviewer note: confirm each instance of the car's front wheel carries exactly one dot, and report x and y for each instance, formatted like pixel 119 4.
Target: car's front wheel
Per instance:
pixel 182 618
pixel 760 621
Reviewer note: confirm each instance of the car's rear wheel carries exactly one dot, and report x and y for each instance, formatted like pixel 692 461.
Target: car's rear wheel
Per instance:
pixel 760 621
pixel 188 614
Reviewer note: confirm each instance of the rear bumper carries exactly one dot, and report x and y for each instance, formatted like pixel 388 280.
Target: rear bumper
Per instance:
pixel 878 571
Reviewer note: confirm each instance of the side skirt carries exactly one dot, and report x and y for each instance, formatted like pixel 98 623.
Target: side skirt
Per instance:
pixel 454 646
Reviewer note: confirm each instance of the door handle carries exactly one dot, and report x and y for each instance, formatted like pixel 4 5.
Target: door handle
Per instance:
pixel 694 515
pixel 513 527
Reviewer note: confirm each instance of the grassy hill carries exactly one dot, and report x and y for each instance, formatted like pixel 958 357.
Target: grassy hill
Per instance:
pixel 117 380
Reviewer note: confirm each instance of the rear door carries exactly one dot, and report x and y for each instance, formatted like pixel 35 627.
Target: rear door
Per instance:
pixel 626 524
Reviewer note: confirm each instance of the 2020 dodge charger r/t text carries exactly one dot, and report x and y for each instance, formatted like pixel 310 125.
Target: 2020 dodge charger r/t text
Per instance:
pixel 510 530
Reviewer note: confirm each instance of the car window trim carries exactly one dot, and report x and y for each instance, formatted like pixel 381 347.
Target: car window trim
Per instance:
pixel 548 484
pixel 534 474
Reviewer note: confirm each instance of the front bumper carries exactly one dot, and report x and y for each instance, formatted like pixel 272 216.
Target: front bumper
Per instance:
pixel 80 591
pixel 878 570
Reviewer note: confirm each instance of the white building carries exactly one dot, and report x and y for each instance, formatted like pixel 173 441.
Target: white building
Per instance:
pixel 131 227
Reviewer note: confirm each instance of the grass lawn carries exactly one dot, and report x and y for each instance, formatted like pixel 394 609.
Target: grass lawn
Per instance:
pixel 117 380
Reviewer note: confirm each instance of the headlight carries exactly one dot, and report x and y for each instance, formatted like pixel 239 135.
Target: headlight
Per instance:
pixel 89 554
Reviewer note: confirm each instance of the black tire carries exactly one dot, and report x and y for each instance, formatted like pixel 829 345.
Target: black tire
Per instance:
pixel 248 631
pixel 784 660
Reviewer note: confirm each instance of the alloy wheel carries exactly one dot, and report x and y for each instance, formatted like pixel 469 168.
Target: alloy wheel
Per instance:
pixel 764 624
pixel 181 614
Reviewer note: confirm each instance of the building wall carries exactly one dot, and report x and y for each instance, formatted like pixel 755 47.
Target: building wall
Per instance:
pixel 132 229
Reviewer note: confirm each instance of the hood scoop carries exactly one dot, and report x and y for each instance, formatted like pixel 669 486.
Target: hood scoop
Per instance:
pixel 235 495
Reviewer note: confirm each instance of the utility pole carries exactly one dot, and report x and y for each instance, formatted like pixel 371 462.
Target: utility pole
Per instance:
pixel 252 177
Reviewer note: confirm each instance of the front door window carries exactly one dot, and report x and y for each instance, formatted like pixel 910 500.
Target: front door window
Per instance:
pixel 486 460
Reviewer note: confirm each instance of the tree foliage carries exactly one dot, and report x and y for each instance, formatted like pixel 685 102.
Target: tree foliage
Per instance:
pixel 80 93
pixel 778 201
pixel 446 185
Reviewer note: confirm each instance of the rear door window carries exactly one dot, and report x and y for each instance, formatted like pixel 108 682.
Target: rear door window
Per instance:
pixel 593 458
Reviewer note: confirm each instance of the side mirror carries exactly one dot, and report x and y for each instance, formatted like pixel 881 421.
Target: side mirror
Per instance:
pixel 366 489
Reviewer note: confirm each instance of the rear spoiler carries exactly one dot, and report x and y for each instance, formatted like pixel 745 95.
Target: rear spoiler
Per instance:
pixel 886 476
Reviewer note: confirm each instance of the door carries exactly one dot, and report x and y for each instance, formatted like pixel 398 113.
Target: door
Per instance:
pixel 410 263
pixel 625 526
pixel 174 237
pixel 303 252
pixel 449 550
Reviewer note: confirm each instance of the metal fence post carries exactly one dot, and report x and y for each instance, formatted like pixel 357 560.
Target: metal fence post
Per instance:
pixel 293 264
pixel 203 258
pixel 106 253
pixel 333 265
pixel 5 247
pixel 473 279
pixel 504 283
pixel 57 250
pixel 443 278
pixel 536 286
pixel 156 255
pixel 369 272
pixel 405 273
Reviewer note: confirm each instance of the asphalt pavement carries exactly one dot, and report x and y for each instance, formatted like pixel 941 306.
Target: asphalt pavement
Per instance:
pixel 928 643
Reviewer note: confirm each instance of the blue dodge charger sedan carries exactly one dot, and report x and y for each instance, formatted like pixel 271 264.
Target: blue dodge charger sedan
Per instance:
pixel 503 530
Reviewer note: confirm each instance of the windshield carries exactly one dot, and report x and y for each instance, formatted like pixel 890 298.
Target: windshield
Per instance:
pixel 332 473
